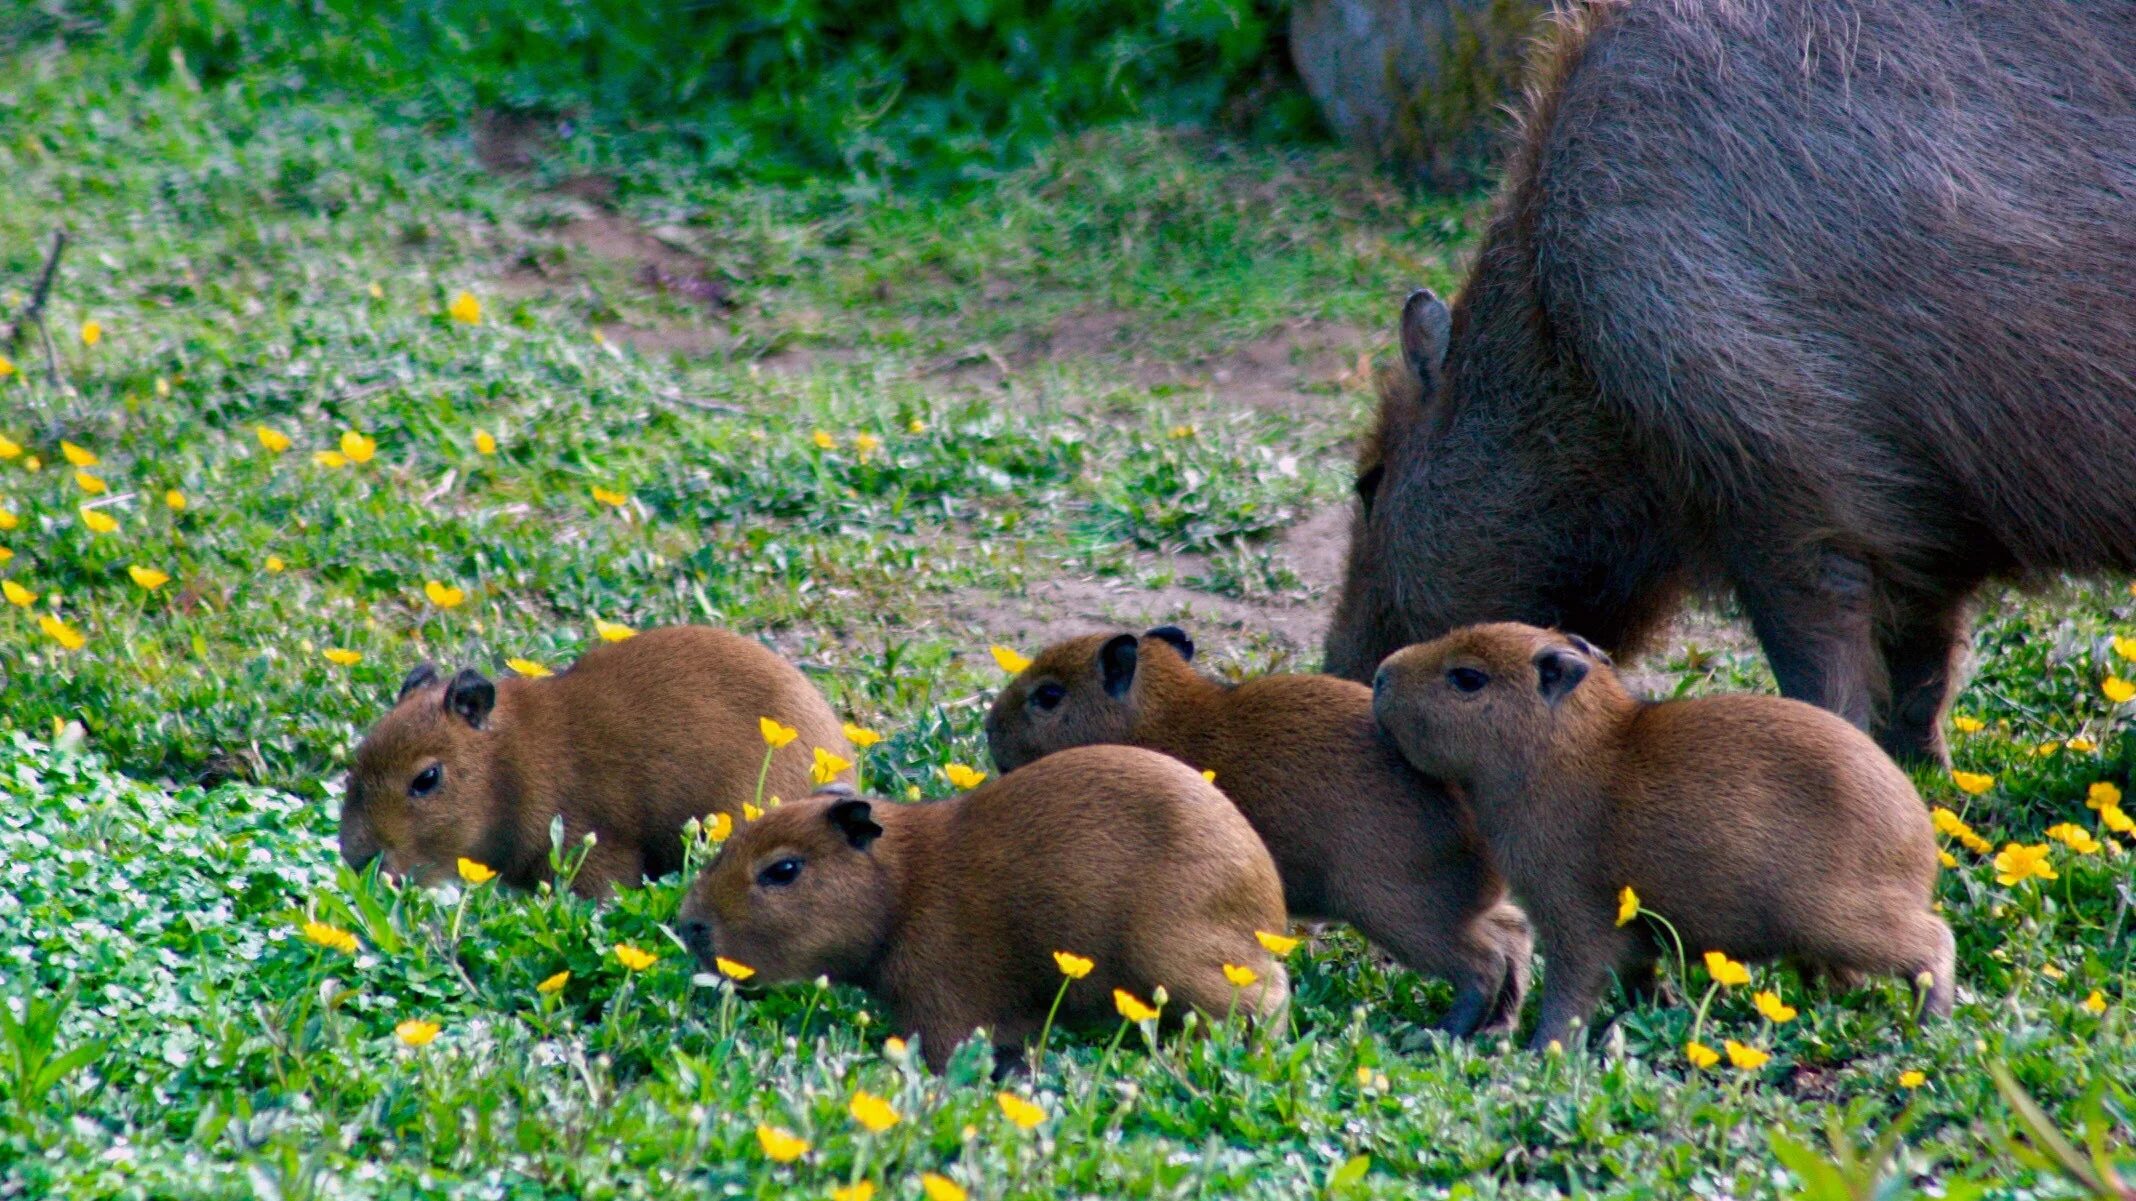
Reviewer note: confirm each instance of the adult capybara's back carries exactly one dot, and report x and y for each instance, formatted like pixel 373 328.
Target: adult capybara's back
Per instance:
pixel 1827 302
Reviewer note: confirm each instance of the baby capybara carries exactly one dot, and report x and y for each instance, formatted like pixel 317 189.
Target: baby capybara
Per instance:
pixel 950 912
pixel 629 744
pixel 1358 834
pixel 1825 303
pixel 1761 827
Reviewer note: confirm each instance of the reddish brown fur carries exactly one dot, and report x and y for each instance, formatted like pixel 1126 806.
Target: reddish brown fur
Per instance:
pixel 1357 834
pixel 629 744
pixel 952 915
pixel 1761 827
pixel 1823 302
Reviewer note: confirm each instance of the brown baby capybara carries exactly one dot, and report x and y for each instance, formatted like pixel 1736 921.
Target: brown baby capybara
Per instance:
pixel 1357 834
pixel 1760 827
pixel 950 912
pixel 629 744
pixel 1824 303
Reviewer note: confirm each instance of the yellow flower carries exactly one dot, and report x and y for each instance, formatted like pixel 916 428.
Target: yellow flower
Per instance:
pixel 1131 1007
pixel 2114 818
pixel 274 440
pixel 2125 647
pixel 485 442
pixel 358 448
pixel 859 1190
pixel 776 735
pixel 2051 971
pixel 98 521
pixel 374 291
pixel 1975 843
pixel 895 1047
pixel 17 594
pixel 860 737
pixel 1912 1080
pixel 1947 859
pixel 1009 660
pixel 1725 970
pixel 2017 864
pixel 6 554
pixel 1775 1010
pixel 917 426
pixel 442 596
pixel 719 827
pixel 346 658
pixel 827 766
pixel 1182 431
pixel 781 1146
pixel 1277 945
pixel 2102 795
pixel 92 332
pixel 465 309
pixel 333 938
pixel 148 577
pixel 867 444
pixel 960 776
pixel 1968 725
pixel 80 456
pixel 750 812
pixel 633 958
pixel 274 565
pixel 554 984
pixel 330 458
pixel 609 496
pixel 611 631
pixel 938 1187
pixel 174 500
pixel 2045 749
pixel 415 1033
pixel 7 368
pixel 1701 1055
pixel 2075 837
pixel 528 668
pixel 1210 776
pixel 60 632
pixel 1972 783
pixel 163 387
pixel 1019 1110
pixel 90 484
pixel 823 440
pixel 2081 745
pixel 1240 977
pixel 1075 967
pixel 1627 906
pixel 1745 1058
pixel 732 970
pixel 874 1114
pixel 33 463
pixel 2096 1002
pixel 475 873
pixel 2118 690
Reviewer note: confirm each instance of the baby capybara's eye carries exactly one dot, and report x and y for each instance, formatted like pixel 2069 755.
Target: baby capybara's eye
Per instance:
pixel 780 874
pixel 1467 679
pixel 427 780
pixel 1048 695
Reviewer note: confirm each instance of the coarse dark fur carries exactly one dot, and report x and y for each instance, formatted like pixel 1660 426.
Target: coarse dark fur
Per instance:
pixel 1358 835
pixel 628 744
pixel 1824 302
pixel 1760 827
pixel 950 912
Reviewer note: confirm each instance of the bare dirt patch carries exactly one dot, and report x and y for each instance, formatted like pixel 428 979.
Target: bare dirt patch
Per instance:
pixel 1280 369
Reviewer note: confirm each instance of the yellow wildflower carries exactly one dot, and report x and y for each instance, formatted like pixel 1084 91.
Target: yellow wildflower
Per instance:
pixel 776 735
pixel 465 309
pixel 859 1190
pixel 866 444
pixel 960 776
pixel 1627 906
pixel 330 458
pixel 1182 431
pixel 2114 818
pixel 1131 1007
pixel 827 766
pixel 7 368
pixel 8 520
pixel 611 631
pixel 98 521
pixel 274 440
pixel 633 958
pixel 1701 1055
pixel 174 500
pixel 2096 1002
pixel 938 1187
pixel 358 448
pixel 485 442
pixel 148 577
pixel 823 440
pixel 750 812
pixel 274 565
pixel 528 668
pixel 17 595
pixel 333 938
pixel 2125 647
pixel 1277 945
pixel 731 969
pixel 1075 967
pixel 611 497
pixel 2017 864
pixel 1775 1010
pixel 916 426
pixel 1240 977
pixel 346 658
pixel 415 1033
pixel 1947 859
pixel 92 332
pixel 1912 1080
pixel 62 633
pixel 896 1048
pixel 2075 837
pixel 475 873
pixel 443 596
pixel 33 463
pixel 80 456
pixel 781 1146
pixel 554 984
pixel 860 737
pixel 1745 1058
pixel 90 484
pixel 1210 776
pixel 1725 970
pixel 1008 660
pixel 2081 745
pixel 874 1114
pixel 1968 725
pixel 2102 795
pixel 2046 749
pixel 1022 1112
pixel 1972 783
pixel 2118 690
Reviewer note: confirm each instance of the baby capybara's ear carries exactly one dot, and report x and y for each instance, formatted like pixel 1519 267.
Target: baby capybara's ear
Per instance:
pixel 835 788
pixel 855 820
pixel 1558 671
pixel 471 696
pixel 423 673
pixel 1116 664
pixel 1426 329
pixel 1589 649
pixel 1177 637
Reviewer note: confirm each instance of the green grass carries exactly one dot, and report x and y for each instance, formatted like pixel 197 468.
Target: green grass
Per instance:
pixel 173 1035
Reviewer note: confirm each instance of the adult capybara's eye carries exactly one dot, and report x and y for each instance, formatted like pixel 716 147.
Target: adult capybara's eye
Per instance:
pixel 427 780
pixel 1467 679
pixel 1048 695
pixel 780 873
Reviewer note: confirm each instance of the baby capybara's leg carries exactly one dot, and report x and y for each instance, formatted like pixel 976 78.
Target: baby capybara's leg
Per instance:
pixel 1429 932
pixel 1941 966
pixel 1516 944
pixel 1916 947
pixel 1576 966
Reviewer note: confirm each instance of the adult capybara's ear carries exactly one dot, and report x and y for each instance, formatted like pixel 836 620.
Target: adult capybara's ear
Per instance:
pixel 855 820
pixel 422 673
pixel 471 696
pixel 1116 664
pixel 1427 328
pixel 1177 637
pixel 1558 671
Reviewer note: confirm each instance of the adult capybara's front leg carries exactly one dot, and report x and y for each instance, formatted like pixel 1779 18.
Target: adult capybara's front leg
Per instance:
pixel 1813 617
pixel 1922 651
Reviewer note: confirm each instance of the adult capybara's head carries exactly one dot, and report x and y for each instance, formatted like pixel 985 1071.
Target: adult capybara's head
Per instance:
pixel 1075 693
pixel 801 892
pixel 1482 697
pixel 1483 494
pixel 421 794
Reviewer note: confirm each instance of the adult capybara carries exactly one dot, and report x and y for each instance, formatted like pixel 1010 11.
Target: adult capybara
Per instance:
pixel 1760 827
pixel 628 744
pixel 1358 834
pixel 951 912
pixel 1824 302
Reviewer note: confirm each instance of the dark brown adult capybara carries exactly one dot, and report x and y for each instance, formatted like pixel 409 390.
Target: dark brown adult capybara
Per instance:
pixel 1358 834
pixel 1760 827
pixel 951 912
pixel 628 744
pixel 1824 302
